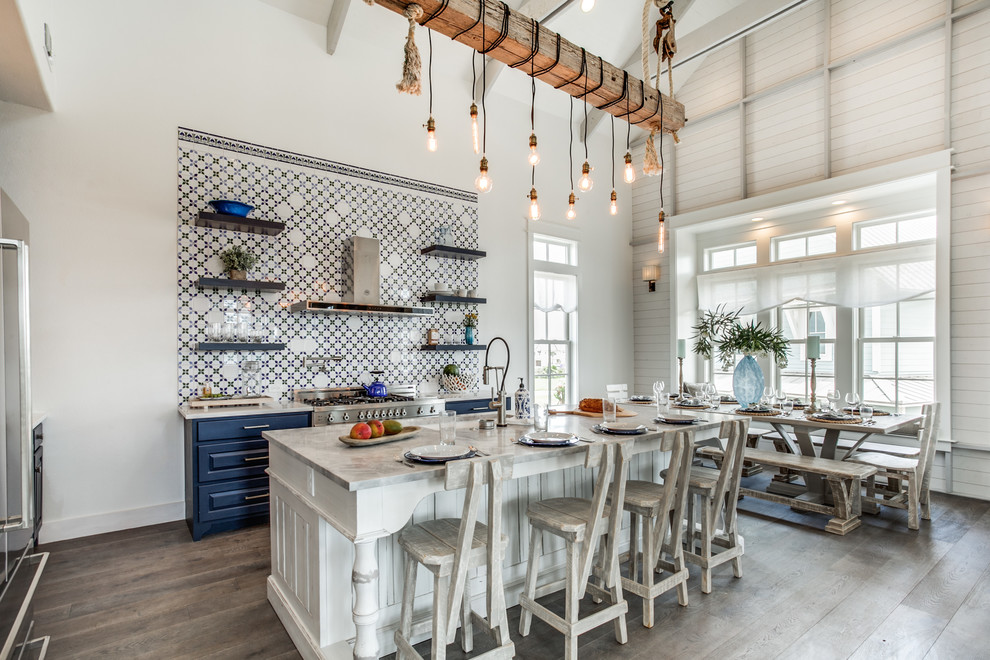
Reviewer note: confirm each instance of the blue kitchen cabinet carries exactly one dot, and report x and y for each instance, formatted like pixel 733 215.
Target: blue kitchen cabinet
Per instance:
pixel 473 406
pixel 226 459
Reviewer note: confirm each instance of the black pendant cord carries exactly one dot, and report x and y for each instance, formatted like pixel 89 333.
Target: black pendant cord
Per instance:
pixel 440 10
pixel 623 97
pixel 655 110
pixel 586 119
pixel 429 67
pixel 642 102
pixel 613 152
pixel 474 76
pixel 532 101
pixel 570 145
pixel 584 64
pixel 535 26
pixel 556 60
pixel 481 13
pixel 502 35
pixel 628 125
pixel 660 153
pixel 601 80
pixel 484 85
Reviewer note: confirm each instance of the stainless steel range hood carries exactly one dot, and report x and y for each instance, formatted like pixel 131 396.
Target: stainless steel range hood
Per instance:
pixel 350 308
pixel 365 293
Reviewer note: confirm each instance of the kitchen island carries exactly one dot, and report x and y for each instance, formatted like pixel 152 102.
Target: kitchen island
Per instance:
pixel 336 575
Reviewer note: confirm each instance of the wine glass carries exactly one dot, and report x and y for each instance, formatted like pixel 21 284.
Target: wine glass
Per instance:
pixel 658 394
pixel 787 406
pixel 711 392
pixel 852 399
pixel 768 394
pixel 833 397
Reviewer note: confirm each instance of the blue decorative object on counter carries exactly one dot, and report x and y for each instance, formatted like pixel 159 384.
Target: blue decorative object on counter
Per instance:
pixel 469 335
pixel 523 402
pixel 230 207
pixel 747 382
pixel 377 389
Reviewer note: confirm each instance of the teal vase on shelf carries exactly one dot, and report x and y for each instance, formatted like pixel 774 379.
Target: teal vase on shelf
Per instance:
pixel 747 382
pixel 469 335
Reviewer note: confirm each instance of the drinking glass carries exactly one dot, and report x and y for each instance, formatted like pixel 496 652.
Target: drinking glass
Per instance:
pixel 852 398
pixel 787 406
pixel 541 416
pixel 768 394
pixel 609 408
pixel 833 397
pixel 712 393
pixel 448 426
pixel 658 394
pixel 866 412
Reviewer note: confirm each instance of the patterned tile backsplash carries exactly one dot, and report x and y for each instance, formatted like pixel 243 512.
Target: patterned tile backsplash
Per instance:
pixel 323 204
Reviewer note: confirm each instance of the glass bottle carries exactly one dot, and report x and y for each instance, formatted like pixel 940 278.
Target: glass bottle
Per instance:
pixel 523 402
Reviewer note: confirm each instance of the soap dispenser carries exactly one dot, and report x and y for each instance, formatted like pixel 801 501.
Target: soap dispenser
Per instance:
pixel 523 402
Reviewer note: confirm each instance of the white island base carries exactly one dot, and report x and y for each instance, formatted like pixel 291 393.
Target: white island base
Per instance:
pixel 336 581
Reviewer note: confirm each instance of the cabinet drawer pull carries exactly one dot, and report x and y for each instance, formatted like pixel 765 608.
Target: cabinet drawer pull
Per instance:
pixel 259 426
pixel 482 408
pixel 255 497
pixel 248 459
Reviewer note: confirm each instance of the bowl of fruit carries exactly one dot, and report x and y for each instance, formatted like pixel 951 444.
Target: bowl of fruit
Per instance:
pixel 454 380
pixel 375 432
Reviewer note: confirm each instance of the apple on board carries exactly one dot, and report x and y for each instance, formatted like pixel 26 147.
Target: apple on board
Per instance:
pixel 377 429
pixel 361 431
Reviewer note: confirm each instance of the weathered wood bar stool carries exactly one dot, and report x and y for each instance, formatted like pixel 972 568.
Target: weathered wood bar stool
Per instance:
pixel 449 548
pixel 581 523
pixel 652 507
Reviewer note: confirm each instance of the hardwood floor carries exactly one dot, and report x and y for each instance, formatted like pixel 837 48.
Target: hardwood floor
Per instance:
pixel 881 591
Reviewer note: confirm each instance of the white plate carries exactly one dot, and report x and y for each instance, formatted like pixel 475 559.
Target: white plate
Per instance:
pixel 440 452
pixel 677 419
pixel 622 427
pixel 550 438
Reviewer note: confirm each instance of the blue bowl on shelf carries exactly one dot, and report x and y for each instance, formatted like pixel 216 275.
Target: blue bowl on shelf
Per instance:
pixel 230 207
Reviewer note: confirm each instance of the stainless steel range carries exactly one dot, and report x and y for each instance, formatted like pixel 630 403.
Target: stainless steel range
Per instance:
pixel 338 405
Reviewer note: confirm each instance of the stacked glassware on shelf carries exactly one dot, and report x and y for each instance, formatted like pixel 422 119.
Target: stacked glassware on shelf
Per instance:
pixel 239 324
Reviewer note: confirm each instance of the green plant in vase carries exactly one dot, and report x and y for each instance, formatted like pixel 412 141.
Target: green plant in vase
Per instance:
pixel 237 260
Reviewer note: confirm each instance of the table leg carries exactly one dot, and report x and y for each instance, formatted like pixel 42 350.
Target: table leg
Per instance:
pixel 364 581
pixel 829 443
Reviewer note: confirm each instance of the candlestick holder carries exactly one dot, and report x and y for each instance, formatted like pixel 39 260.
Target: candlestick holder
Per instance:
pixel 811 406
pixel 680 378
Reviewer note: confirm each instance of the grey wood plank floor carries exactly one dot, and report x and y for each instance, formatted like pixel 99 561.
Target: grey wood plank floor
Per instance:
pixel 881 591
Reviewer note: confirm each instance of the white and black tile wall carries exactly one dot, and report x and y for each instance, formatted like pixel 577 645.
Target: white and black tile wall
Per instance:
pixel 323 204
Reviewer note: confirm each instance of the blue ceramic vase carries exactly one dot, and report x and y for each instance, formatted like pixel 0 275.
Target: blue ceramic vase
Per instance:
pixel 747 382
pixel 469 335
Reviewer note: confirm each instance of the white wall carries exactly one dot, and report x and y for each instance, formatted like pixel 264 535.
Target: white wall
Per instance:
pixel 863 83
pixel 97 180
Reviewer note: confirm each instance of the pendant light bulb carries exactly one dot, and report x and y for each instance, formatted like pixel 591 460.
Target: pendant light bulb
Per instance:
pixel 474 128
pixel 629 173
pixel 534 206
pixel 534 155
pixel 587 5
pixel 431 134
pixel 571 213
pixel 613 208
pixel 660 233
pixel 483 183
pixel 585 183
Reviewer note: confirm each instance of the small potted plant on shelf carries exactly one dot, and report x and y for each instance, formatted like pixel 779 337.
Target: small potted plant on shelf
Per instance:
pixel 470 323
pixel 237 260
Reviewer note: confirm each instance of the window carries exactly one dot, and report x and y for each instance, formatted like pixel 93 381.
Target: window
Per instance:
pixel 730 256
pixel 554 319
pixel 800 320
pixel 796 246
pixel 898 354
pixel 893 231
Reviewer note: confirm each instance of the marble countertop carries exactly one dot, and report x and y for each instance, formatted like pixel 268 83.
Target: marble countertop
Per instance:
pixel 357 468
pixel 467 394
pixel 239 411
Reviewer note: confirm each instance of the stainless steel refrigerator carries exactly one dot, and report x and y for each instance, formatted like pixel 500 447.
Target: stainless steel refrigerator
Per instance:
pixel 21 570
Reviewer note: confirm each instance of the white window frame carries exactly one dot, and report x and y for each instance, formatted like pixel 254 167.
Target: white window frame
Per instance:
pixel 734 247
pixel 776 240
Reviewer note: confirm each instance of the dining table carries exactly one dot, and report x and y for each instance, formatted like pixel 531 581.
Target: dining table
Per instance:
pixel 332 503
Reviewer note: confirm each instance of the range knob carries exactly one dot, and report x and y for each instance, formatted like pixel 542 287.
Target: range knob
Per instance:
pixel 404 412
pixel 389 413
pixel 346 417
pixel 433 409
pixel 329 418
pixel 361 415
pixel 378 414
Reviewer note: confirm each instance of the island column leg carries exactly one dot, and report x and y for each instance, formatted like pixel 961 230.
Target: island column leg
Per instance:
pixel 364 580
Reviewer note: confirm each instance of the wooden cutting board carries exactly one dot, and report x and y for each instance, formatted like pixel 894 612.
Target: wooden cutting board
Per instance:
pixel 406 433
pixel 619 413
pixel 197 402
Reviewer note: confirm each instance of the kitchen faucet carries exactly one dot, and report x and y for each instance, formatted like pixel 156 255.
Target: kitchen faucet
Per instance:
pixel 498 400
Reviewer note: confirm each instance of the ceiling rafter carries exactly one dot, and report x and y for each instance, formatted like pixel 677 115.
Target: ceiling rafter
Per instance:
pixel 602 79
pixel 335 23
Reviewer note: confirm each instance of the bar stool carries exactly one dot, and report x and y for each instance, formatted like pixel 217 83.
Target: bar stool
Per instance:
pixel 581 523
pixel 713 494
pixel 652 507
pixel 449 548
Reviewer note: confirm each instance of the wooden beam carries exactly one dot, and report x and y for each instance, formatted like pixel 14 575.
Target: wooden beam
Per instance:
pixel 567 74
pixel 335 23
pixel 541 10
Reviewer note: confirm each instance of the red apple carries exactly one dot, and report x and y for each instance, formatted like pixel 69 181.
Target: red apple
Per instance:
pixel 360 431
pixel 377 428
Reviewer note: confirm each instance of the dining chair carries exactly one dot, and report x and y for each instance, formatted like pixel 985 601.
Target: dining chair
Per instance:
pixel 449 548
pixel 652 507
pixel 617 391
pixel 580 523
pixel 906 480
pixel 712 497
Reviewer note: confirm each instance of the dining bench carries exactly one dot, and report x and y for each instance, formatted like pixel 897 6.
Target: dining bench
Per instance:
pixel 845 480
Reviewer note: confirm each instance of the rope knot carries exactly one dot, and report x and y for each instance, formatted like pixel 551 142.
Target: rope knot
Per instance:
pixel 412 67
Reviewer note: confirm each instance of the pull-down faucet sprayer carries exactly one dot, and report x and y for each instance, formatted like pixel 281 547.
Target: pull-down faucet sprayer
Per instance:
pixel 498 399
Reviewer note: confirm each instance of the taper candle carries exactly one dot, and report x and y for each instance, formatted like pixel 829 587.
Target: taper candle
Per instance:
pixel 814 347
pixel 681 348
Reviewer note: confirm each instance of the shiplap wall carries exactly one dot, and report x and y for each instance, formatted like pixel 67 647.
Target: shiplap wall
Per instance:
pixel 833 87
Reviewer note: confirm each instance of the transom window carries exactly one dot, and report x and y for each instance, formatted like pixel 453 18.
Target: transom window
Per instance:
pixel 554 250
pixel 892 231
pixel 796 246
pixel 730 256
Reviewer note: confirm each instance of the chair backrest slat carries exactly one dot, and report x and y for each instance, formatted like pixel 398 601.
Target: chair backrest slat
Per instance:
pixel 673 499
pixel 732 461
pixel 927 439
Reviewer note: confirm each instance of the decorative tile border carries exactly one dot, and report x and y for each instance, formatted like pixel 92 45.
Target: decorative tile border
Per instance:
pixel 323 204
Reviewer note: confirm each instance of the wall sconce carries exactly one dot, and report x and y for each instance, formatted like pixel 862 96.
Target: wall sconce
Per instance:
pixel 651 274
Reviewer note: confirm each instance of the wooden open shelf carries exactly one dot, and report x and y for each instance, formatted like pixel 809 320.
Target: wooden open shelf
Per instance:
pixel 250 285
pixel 237 346
pixel 237 223
pixel 453 347
pixel 450 252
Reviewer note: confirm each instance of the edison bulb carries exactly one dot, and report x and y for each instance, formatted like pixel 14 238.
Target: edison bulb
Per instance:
pixel 534 206
pixel 571 212
pixel 587 5
pixel 585 183
pixel 474 128
pixel 534 155
pixel 629 173
pixel 483 183
pixel 660 233
pixel 431 134
pixel 613 208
